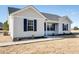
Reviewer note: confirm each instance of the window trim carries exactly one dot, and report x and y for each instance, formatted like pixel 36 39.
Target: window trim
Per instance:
pixel 31 25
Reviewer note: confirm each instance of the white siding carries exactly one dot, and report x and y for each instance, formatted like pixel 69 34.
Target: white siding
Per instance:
pixel 19 28
pixel 10 21
pixel 59 26
pixel 31 13
pixel 16 21
pixel 65 21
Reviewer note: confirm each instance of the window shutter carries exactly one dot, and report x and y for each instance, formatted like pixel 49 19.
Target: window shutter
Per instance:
pixel 67 26
pixel 63 27
pixel 25 24
pixel 45 26
pixel 35 25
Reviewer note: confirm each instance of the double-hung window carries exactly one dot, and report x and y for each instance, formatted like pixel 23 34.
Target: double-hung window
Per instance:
pixel 30 25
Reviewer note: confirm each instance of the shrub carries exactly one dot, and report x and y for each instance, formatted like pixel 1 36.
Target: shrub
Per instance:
pixel 5 27
pixel 76 28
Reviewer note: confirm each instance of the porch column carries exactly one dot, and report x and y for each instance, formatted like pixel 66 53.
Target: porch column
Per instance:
pixel 59 28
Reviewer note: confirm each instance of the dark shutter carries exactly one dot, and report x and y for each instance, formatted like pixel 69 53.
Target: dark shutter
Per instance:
pixel 45 26
pixel 25 24
pixel 63 27
pixel 35 25
pixel 67 26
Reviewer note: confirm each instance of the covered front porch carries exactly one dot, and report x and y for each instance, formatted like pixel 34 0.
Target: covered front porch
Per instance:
pixel 50 28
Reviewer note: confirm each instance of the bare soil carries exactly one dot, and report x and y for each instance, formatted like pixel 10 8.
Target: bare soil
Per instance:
pixel 64 46
pixel 5 38
pixel 68 45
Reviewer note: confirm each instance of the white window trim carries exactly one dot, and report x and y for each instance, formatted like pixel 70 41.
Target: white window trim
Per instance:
pixel 32 25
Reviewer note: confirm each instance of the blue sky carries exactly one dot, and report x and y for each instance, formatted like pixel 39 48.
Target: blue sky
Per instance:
pixel 69 10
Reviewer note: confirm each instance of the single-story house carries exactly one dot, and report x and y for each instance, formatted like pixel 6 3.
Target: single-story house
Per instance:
pixel 30 22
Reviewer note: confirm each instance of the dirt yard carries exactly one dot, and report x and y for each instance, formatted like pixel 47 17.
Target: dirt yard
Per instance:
pixel 5 39
pixel 67 45
pixel 75 31
pixel 64 46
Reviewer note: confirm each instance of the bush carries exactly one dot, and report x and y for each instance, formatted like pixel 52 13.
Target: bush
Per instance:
pixel 76 28
pixel 5 28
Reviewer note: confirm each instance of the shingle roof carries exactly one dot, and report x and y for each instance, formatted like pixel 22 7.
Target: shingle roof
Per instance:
pixel 47 15
pixel 12 9
pixel 51 16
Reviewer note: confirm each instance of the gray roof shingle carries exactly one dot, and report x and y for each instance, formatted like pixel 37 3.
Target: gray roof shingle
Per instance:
pixel 47 15
pixel 51 16
pixel 12 9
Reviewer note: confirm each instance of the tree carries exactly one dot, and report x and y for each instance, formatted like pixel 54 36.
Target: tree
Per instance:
pixel 76 28
pixel 6 26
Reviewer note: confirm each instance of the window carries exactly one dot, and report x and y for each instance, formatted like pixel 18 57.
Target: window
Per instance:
pixel 30 25
pixel 51 27
pixel 65 27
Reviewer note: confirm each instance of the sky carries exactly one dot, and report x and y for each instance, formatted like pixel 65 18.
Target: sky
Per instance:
pixel 72 11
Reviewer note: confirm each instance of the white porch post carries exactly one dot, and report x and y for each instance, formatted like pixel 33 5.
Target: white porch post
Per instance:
pixel 60 28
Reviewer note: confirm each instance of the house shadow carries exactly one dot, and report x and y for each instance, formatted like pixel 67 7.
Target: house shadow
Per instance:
pixel 71 35
pixel 62 36
pixel 30 38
